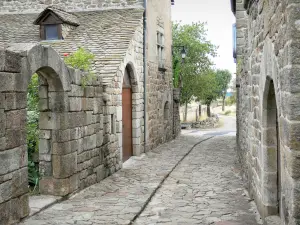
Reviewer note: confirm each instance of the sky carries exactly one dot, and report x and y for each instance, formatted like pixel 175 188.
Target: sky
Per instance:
pixel 219 18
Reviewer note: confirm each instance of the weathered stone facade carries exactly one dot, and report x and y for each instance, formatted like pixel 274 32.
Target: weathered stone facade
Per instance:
pixel 35 6
pixel 268 106
pixel 159 83
pixel 80 140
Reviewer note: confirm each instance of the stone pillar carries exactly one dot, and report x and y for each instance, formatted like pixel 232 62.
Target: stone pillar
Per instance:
pixel 13 152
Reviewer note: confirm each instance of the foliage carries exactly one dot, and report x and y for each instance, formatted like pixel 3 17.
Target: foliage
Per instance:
pixel 33 93
pixel 223 79
pixel 231 100
pixel 82 60
pixel 32 129
pixel 210 89
pixel 198 58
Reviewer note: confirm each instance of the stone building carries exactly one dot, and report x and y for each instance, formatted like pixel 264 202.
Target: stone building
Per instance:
pixel 268 104
pixel 86 133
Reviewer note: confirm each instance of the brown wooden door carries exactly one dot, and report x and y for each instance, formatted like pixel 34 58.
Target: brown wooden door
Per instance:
pixel 127 123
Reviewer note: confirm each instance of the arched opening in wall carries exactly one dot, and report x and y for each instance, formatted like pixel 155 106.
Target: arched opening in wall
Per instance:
pixel 45 102
pixel 127 147
pixel 166 111
pixel 32 132
pixel 271 151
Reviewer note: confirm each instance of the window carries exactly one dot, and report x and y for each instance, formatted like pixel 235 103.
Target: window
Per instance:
pixel 51 32
pixel 161 50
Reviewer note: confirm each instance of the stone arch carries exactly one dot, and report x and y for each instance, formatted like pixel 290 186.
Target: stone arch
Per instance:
pixel 54 83
pixel 271 178
pixel 130 80
pixel 45 60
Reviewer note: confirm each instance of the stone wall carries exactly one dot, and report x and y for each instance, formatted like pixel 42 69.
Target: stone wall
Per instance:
pixel 34 6
pixel 78 143
pixel 159 83
pixel 268 39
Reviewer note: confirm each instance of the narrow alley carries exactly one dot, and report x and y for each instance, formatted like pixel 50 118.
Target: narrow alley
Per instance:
pixel 191 180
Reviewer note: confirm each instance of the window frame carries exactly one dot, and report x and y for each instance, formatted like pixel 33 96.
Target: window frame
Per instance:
pixel 160 46
pixel 58 27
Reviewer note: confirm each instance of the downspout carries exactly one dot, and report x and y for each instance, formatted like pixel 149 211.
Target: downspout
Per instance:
pixel 145 75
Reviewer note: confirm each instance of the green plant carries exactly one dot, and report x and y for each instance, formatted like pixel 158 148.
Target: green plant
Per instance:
pixel 82 60
pixel 32 130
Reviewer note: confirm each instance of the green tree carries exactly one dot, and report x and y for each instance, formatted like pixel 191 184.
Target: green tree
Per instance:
pixel 198 59
pixel 209 89
pixel 223 78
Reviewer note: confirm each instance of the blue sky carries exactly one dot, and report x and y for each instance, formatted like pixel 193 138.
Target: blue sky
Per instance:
pixel 219 18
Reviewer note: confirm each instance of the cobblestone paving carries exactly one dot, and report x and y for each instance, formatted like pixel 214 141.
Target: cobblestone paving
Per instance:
pixel 182 184
pixel 204 189
pixel 120 197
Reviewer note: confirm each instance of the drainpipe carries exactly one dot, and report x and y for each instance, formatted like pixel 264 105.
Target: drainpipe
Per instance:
pixel 145 75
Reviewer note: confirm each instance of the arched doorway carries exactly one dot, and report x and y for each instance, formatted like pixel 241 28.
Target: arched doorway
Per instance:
pixel 271 154
pixel 127 116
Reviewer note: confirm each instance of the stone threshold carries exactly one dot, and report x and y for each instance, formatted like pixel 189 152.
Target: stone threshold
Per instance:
pixel 38 203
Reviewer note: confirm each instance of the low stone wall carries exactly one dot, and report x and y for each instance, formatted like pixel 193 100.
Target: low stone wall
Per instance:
pixel 78 145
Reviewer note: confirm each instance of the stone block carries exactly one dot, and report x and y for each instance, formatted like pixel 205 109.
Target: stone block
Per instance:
pixel 89 142
pixel 44 146
pixel 12 82
pixel 2 122
pixel 58 187
pixel 137 151
pixel 24 205
pixel 45 134
pixel 49 121
pixel 98 105
pixel 269 157
pixel 76 91
pixel 89 91
pixel 293 163
pixel 10 61
pixel 15 100
pixel 100 172
pixel 99 138
pixel 19 185
pixel 75 104
pixel 15 138
pixel 43 104
pixel 63 148
pixel 45 157
pixel 6 191
pixel 43 91
pixel 64 165
pixel 45 168
pixel 13 159
pixel 61 135
pixel 16 119
pixel 58 101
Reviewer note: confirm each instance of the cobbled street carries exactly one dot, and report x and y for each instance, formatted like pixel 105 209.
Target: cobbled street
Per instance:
pixel 192 180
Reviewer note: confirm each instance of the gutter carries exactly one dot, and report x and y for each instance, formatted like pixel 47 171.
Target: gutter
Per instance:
pixel 145 74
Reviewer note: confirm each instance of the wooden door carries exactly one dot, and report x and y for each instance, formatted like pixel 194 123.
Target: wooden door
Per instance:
pixel 127 123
